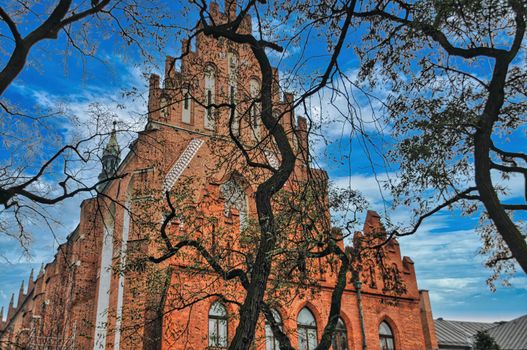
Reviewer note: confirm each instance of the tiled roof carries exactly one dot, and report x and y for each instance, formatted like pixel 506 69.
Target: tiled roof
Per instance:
pixel 458 333
pixel 511 335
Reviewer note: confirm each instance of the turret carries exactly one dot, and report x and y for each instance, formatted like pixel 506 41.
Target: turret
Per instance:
pixel 110 159
pixel 11 310
pixel 31 282
pixel 21 294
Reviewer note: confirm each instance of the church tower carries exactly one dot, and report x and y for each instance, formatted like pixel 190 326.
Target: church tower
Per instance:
pixel 111 158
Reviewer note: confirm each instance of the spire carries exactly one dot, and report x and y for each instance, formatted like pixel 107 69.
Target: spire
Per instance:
pixel 111 157
pixel 112 148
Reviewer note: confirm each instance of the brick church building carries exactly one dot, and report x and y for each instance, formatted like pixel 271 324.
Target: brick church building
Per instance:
pixel 102 292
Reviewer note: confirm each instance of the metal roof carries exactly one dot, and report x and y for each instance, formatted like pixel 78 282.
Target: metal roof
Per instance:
pixel 458 333
pixel 511 335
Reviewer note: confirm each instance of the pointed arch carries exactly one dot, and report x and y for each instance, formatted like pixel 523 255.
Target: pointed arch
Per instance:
pixel 340 336
pixel 306 329
pixel 387 336
pixel 234 193
pixel 218 325
pixel 270 342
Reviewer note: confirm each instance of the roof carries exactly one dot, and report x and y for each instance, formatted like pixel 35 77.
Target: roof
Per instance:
pixel 458 333
pixel 511 335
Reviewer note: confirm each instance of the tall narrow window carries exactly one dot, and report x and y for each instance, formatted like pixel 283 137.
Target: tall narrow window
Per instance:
pixel 163 107
pixel 232 61
pixel 307 330
pixel 270 342
pixel 218 325
pixel 340 337
pixel 185 113
pixel 386 337
pixel 210 85
pixel 232 111
pixel 254 88
pixel 209 102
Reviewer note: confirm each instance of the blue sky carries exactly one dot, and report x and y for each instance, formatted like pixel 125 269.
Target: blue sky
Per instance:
pixel 444 249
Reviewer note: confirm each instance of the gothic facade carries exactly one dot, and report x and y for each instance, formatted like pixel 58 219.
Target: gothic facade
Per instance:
pixel 185 181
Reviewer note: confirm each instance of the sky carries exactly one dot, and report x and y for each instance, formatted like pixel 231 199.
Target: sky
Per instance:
pixel 444 249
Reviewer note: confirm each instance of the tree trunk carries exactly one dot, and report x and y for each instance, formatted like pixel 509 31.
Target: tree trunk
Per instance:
pixel 482 167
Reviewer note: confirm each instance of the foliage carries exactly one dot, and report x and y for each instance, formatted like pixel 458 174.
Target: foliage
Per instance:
pixel 455 97
pixel 483 341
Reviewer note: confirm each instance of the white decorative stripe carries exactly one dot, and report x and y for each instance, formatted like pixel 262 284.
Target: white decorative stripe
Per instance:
pixel 103 299
pixel 181 164
pixel 271 158
pixel 120 291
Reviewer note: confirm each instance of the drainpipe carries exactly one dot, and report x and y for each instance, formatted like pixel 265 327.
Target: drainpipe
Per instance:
pixel 357 284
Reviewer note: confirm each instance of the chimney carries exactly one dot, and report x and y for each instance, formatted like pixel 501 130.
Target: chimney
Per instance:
pixel 230 9
pixel 302 136
pixel 247 25
pixel 186 48
pixel 276 81
pixel 427 320
pixel 214 9
pixel 170 72
pixel 153 94
pixel 288 121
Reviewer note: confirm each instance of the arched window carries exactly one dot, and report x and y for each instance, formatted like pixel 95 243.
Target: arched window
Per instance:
pixel 270 342
pixel 218 325
pixel 386 337
pixel 307 330
pixel 186 106
pixel 340 337
pixel 210 84
pixel 235 197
